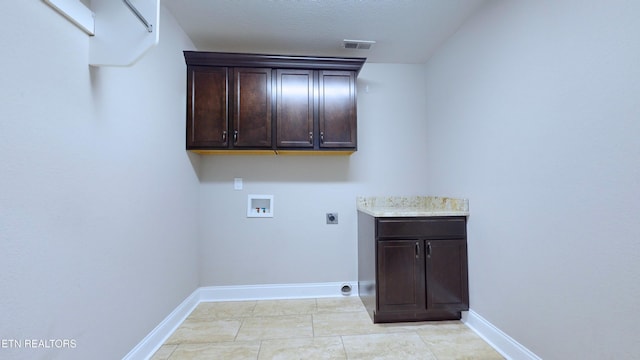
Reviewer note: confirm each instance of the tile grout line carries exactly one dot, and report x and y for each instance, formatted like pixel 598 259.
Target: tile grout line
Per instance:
pixel 235 337
pixel 313 328
pixel 427 345
pixel 344 348
pixel 259 349
pixel 172 351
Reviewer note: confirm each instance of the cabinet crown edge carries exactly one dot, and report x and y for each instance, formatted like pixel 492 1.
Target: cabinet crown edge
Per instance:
pixel 206 58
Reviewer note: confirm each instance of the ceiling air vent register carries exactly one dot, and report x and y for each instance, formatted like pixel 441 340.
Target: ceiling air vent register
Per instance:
pixel 358 44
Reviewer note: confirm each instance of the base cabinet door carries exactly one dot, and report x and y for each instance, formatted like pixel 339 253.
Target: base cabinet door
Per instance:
pixel 447 279
pixel 400 277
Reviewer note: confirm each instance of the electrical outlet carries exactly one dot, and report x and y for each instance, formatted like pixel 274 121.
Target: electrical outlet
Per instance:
pixel 332 218
pixel 237 183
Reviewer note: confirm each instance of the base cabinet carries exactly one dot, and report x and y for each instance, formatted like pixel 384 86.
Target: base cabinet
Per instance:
pixel 418 271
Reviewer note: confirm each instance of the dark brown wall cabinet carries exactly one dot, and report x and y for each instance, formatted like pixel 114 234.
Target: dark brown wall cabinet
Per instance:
pixel 245 101
pixel 337 109
pixel 295 108
pixel 413 269
pixel 207 107
pixel 251 107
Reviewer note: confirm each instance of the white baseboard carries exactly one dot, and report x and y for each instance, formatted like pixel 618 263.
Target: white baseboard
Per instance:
pixel 275 291
pixel 503 343
pixel 154 340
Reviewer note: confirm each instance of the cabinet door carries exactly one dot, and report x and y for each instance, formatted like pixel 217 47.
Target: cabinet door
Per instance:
pixel 294 108
pixel 447 279
pixel 400 276
pixel 207 107
pixel 337 109
pixel 252 107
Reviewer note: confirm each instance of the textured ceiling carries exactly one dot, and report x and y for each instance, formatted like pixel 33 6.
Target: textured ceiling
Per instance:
pixel 405 31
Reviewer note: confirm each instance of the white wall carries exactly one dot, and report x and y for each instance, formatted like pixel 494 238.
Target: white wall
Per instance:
pixel 297 246
pixel 534 115
pixel 97 195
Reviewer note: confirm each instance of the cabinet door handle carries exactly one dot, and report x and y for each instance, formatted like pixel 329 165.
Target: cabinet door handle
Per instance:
pixel 417 249
pixel 224 135
pixel 235 136
pixel 429 249
pixel 310 137
pixel 321 137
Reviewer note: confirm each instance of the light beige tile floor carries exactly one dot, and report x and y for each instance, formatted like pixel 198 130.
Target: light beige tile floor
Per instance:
pixel 323 328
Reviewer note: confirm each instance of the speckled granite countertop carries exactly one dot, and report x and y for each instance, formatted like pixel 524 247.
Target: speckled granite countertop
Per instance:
pixel 408 206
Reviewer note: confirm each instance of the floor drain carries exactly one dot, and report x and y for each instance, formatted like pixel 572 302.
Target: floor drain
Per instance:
pixel 346 289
